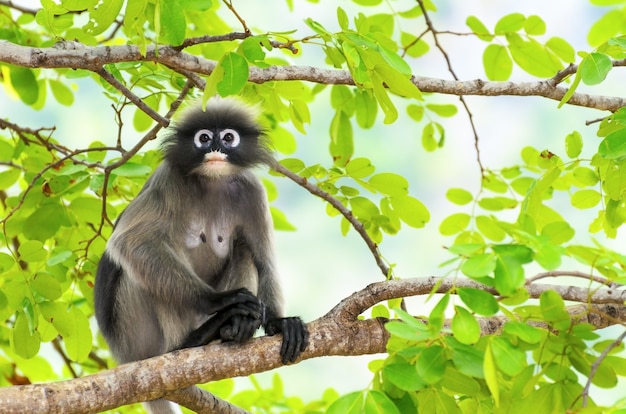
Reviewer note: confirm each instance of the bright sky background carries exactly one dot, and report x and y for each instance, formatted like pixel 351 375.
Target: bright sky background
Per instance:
pixel 319 267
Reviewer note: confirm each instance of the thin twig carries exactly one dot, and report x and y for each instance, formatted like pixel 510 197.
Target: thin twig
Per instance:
pixel 434 32
pixel 571 273
pixel 230 6
pixel 596 364
pixel 132 97
pixel 356 224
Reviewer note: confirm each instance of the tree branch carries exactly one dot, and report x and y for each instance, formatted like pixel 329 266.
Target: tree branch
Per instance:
pixel 94 58
pixel 337 333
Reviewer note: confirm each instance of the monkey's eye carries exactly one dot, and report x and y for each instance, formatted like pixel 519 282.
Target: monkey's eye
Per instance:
pixel 230 138
pixel 202 137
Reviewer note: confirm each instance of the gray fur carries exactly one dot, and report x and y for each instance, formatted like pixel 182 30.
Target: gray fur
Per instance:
pixel 181 249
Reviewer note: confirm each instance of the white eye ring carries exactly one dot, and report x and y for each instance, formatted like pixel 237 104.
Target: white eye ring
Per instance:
pixel 202 138
pixel 230 138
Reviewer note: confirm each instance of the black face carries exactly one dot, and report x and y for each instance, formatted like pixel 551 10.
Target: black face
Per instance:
pixel 217 142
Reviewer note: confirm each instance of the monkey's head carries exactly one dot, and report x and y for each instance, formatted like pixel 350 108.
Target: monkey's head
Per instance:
pixel 217 142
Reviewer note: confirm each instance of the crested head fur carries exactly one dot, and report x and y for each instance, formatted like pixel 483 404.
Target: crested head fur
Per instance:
pixel 219 114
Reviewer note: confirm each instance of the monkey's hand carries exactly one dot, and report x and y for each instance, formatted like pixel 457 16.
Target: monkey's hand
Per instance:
pixel 220 301
pixel 241 326
pixel 295 336
pixel 235 323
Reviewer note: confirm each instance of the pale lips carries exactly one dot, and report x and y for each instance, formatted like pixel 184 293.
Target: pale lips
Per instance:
pixel 214 158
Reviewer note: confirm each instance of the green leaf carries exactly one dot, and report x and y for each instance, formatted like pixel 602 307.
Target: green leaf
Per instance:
pixel 454 224
pixel 510 359
pixel 460 383
pixel 32 251
pixel 534 25
pixel 280 220
pixel 9 177
pixel 398 82
pixel 408 332
pixel 489 227
pixel 445 111
pixel 605 27
pixel 533 57
pixel 562 49
pixel 466 358
pixel 386 104
pixel 464 326
pixel 510 23
pixel 479 28
pixel 342 18
pixel 479 265
pixel 47 286
pixel 403 376
pixel 73 325
pixel 594 68
pixel 573 144
pixel 133 169
pixel 44 222
pixel 102 16
pixel 431 364
pixel 236 74
pixel 363 208
pixel 432 136
pixel 368 2
pixel 586 199
pixel 349 404
pixel 366 108
pixel 509 273
pixel 614 145
pixel 525 332
pixel 479 301
pixel 491 374
pixel 25 84
pixel 410 210
pixel 360 168
pixel 459 196
pixel 414 46
pixel 6 262
pixel 390 184
pixel 341 139
pixel 434 400
pixel 254 53
pixel 497 63
pixel 378 402
pixel 553 309
pixel 61 92
pixel 25 343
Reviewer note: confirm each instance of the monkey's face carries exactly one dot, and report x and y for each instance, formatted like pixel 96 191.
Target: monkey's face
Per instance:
pixel 217 147
pixel 218 142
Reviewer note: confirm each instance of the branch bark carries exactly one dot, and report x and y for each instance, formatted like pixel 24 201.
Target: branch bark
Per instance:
pixel 94 58
pixel 337 333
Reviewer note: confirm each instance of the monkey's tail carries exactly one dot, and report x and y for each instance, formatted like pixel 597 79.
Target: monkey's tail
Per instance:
pixel 161 407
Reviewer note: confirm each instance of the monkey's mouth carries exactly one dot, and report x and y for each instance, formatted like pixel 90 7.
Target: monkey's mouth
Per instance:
pixel 215 158
pixel 215 164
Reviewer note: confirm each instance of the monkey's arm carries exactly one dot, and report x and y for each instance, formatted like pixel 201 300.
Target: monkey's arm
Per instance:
pixel 144 245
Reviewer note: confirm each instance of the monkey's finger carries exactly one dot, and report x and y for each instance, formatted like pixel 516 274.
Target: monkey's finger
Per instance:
pixel 247 329
pixel 247 309
pixel 295 339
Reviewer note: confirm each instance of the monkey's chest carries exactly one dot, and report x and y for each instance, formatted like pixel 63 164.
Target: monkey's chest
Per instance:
pixel 209 239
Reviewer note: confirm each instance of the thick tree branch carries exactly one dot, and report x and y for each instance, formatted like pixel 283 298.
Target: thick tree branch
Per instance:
pixel 337 333
pixel 94 58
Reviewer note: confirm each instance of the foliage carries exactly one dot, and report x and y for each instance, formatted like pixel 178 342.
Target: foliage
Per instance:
pixel 58 203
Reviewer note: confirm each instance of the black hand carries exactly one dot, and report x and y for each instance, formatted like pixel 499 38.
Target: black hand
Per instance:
pixel 295 336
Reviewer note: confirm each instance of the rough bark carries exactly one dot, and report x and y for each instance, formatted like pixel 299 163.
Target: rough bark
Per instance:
pixel 337 333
